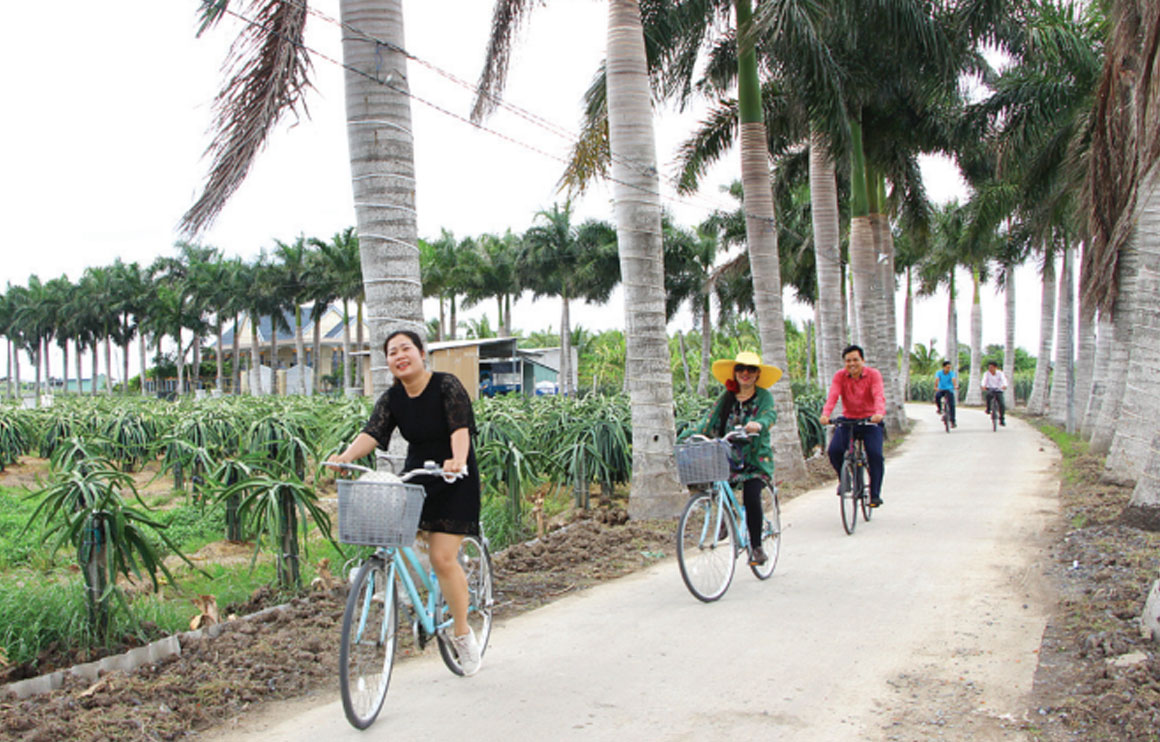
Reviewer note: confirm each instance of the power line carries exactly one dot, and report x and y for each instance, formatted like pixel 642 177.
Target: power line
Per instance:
pixel 533 118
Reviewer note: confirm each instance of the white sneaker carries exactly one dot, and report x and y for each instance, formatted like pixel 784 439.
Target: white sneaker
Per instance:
pixel 467 650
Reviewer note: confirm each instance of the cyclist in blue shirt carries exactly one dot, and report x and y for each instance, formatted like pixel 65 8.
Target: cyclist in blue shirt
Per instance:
pixel 946 384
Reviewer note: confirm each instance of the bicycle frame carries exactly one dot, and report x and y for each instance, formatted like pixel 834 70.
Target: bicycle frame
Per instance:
pixel 724 492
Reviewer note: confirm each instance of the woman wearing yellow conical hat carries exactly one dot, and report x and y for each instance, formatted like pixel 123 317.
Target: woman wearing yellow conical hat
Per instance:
pixel 747 403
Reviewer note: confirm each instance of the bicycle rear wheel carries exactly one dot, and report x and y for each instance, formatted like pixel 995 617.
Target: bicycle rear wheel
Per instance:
pixel 369 630
pixel 707 546
pixel 862 487
pixel 770 533
pixel 476 562
pixel 847 497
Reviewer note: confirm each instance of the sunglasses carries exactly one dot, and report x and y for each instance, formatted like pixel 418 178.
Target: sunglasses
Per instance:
pixel 746 369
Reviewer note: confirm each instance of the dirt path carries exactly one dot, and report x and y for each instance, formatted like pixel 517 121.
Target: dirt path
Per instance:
pixel 923 625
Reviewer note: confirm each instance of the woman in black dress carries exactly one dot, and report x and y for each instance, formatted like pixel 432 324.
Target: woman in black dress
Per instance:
pixel 433 412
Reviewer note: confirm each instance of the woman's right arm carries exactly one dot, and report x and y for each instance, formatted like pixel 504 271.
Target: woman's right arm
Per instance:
pixel 363 445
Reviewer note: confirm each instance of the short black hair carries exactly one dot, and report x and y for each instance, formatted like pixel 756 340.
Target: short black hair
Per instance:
pixel 851 348
pixel 993 363
pixel 411 335
pixel 946 363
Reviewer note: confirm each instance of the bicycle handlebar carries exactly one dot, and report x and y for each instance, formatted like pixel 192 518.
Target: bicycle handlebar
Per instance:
pixel 737 434
pixel 852 421
pixel 430 468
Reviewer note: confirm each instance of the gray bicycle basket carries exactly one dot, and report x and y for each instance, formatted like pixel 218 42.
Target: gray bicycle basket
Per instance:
pixel 378 513
pixel 702 462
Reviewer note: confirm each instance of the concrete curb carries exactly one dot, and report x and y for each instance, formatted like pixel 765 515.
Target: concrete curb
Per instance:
pixel 127 662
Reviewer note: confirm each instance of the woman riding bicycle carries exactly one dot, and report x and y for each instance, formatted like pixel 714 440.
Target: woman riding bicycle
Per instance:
pixel 433 412
pixel 746 403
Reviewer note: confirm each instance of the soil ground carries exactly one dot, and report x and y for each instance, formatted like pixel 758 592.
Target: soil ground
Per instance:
pixel 1103 570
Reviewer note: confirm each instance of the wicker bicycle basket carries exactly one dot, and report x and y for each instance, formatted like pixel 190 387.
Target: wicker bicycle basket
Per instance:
pixel 702 462
pixel 378 513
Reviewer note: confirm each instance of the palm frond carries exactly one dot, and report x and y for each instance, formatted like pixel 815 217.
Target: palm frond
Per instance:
pixel 270 76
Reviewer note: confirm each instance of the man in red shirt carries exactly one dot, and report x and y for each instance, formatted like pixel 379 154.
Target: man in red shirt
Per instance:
pixel 860 388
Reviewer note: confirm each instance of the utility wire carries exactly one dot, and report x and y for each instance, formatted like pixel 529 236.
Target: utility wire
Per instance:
pixel 532 118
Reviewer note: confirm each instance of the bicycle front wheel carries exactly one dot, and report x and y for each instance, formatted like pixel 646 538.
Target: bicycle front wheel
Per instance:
pixel 369 630
pixel 994 417
pixel 848 497
pixel 770 533
pixel 707 546
pixel 476 562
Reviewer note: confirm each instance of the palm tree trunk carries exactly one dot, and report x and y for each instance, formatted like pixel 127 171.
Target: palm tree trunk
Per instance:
pixel 706 347
pixel 454 328
pixel 565 347
pixel 316 353
pixel 1085 361
pixel 108 365
pixel 761 234
pixel 64 365
pixel 195 371
pixel 180 364
pixel 907 335
pixel 655 491
pixel 1009 340
pixel 236 357
pixel 361 343
pixel 79 366
pixel 827 257
pixel 299 351
pixel 347 365
pixel 809 349
pixel 39 388
pixel 1143 509
pixel 255 357
pixel 952 324
pixel 888 319
pixel 96 348
pixel 14 357
pixel 974 391
pixel 1100 371
pixel 1140 405
pixel 219 378
pixel 274 355
pixel 141 354
pixel 45 351
pixel 382 165
pixel 684 361
pixel 1037 404
pixel 1061 375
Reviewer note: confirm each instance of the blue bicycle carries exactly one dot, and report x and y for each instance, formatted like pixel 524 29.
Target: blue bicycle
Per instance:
pixel 383 512
pixel 712 530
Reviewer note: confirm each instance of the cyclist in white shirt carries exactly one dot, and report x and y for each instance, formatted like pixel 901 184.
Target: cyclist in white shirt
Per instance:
pixel 994 384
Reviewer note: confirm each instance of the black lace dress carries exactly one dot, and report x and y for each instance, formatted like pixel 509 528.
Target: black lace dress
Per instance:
pixel 427 421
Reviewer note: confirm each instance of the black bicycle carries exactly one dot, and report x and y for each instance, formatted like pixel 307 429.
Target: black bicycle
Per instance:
pixel 946 410
pixel 854 479
pixel 993 404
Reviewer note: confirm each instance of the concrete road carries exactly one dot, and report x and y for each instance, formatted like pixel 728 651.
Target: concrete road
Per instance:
pixel 924 624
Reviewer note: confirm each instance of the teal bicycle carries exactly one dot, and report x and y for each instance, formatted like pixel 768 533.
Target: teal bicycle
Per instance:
pixel 712 531
pixel 385 515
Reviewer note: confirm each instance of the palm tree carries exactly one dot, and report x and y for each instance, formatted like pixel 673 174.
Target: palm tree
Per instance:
pixel 632 149
pixel 322 290
pixel 492 273
pixel 341 257
pixel 443 265
pixel 295 270
pixel 1121 272
pixel 381 141
pixel 690 277
pixel 570 262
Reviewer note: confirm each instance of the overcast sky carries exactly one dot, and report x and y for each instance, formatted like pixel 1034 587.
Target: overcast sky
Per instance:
pixel 108 107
